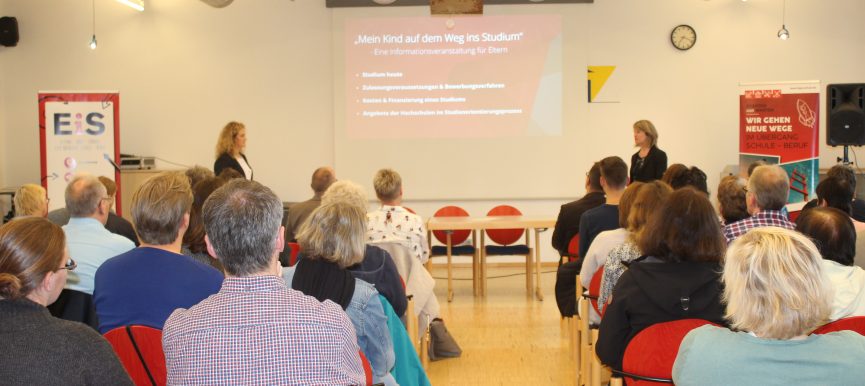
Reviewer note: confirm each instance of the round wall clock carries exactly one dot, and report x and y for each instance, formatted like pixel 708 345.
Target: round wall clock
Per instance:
pixel 683 37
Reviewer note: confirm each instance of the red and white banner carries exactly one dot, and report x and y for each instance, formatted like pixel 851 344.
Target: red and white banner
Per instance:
pixel 78 133
pixel 779 123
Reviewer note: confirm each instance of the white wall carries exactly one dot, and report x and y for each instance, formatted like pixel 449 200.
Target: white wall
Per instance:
pixel 183 69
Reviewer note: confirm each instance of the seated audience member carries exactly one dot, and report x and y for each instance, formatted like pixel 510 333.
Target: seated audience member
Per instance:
pixel 322 178
pixel 115 224
pixel 731 199
pixel 833 233
pixel 198 173
pixel 392 222
pixel 143 286
pixel 678 279
pixel 568 221
pixel 674 172
pixel 606 241
pixel 333 239
pixel 35 347
pixel 567 226
pixel 650 197
pixel 755 165
pixel 836 193
pixel 31 200
pixel 193 240
pixel 776 295
pixel 614 179
pixel 256 329
pixel 679 176
pixel 229 174
pixel 90 243
pixel 377 266
pixel 845 173
pixel 765 198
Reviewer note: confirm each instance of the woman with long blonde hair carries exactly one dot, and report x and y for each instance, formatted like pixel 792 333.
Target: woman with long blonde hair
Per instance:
pixel 229 150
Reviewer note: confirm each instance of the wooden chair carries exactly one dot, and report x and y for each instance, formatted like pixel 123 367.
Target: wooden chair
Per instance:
pixel 595 367
pixel 649 357
pixel 853 323
pixel 367 368
pixel 506 239
pixel 139 349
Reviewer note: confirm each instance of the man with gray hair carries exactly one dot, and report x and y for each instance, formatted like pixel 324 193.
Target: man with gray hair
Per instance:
pixel 295 339
pixel 90 244
pixel 322 178
pixel 765 197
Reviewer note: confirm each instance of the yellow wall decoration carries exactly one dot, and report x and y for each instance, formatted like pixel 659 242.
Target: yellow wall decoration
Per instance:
pixel 597 76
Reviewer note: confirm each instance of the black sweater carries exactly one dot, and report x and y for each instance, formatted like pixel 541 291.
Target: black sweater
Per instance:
pixel 656 292
pixel 650 168
pixel 39 349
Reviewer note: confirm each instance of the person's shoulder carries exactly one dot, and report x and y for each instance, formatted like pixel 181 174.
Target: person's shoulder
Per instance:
pixel 658 152
pixel 363 291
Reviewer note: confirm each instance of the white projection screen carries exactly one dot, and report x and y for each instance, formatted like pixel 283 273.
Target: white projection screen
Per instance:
pixel 467 107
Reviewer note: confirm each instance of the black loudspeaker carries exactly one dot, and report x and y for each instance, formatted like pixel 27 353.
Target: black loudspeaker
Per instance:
pixel 8 31
pixel 845 106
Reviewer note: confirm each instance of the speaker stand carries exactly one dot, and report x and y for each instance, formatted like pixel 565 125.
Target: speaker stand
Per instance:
pixel 846 160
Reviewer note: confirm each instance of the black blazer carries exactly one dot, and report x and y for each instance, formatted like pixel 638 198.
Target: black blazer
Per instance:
pixel 227 161
pixel 651 168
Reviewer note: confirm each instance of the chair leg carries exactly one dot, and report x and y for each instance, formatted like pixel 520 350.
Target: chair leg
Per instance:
pixel 412 324
pixel 424 348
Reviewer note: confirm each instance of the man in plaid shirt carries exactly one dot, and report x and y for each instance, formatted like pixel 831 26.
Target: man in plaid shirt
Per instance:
pixel 256 330
pixel 765 197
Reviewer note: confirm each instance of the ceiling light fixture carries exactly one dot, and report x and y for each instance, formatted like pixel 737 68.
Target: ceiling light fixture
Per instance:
pixel 137 5
pixel 93 38
pixel 783 34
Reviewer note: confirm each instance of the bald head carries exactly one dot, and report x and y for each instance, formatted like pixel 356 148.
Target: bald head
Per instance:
pixel 768 189
pixel 84 195
pixel 322 178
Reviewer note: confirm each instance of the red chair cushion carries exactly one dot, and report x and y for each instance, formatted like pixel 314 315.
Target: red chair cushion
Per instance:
pixel 148 341
pixel 367 368
pixel 457 237
pixel 410 210
pixel 653 351
pixel 504 236
pixel 853 323
pixel 794 215
pixel 295 249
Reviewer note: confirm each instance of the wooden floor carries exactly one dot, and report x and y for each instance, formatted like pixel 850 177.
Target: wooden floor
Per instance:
pixel 508 337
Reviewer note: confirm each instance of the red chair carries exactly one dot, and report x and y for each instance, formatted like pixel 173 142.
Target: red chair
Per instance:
pixel 595 289
pixel 139 349
pixel 457 238
pixel 506 238
pixel 574 248
pixel 794 215
pixel 292 257
pixel 853 323
pixel 649 357
pixel 367 368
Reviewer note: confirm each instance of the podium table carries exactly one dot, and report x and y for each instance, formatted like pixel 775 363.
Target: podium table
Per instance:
pixel 450 224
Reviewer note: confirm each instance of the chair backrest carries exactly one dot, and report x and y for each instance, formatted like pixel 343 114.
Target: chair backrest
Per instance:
pixel 76 306
pixel 595 289
pixel 505 236
pixel 139 349
pixel 292 257
pixel 574 248
pixel 367 368
pixel 652 352
pixel 853 323
pixel 794 215
pixel 410 210
pixel 457 237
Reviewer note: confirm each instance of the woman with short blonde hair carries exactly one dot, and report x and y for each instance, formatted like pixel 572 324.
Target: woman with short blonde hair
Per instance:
pixel 776 295
pixel 332 239
pixel 31 200
pixel 230 148
pixel 649 163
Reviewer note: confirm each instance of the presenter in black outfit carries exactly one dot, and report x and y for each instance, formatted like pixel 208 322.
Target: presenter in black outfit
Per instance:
pixel 229 150
pixel 649 163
